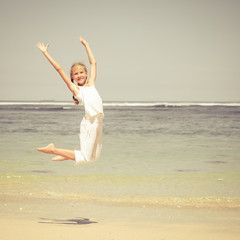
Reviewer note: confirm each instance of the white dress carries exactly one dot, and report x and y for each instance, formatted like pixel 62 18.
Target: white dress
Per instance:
pixel 91 125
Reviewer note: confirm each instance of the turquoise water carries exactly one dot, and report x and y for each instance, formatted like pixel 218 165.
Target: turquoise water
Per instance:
pixel 152 152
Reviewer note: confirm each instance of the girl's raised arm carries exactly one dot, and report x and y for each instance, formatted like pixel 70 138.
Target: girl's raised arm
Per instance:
pixel 93 64
pixel 44 49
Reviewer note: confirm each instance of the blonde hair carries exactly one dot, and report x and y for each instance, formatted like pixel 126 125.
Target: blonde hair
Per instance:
pixel 76 102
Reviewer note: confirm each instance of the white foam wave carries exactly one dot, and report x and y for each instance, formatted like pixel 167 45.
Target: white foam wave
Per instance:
pixel 169 104
pixel 38 103
pixel 126 104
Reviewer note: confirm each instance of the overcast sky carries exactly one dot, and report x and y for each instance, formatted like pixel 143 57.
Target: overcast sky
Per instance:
pixel 155 50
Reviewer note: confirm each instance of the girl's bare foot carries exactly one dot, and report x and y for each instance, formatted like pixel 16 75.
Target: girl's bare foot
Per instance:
pixel 59 158
pixel 48 149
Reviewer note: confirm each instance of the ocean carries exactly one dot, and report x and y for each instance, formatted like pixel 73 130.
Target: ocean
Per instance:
pixel 154 154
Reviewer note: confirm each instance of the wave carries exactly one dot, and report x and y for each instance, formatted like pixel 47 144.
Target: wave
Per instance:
pixel 69 105
pixel 170 104
pixel 37 103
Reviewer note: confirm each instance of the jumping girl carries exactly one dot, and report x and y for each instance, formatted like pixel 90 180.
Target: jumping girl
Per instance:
pixel 84 92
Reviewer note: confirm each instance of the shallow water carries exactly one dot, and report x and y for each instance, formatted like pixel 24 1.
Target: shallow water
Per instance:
pixel 151 152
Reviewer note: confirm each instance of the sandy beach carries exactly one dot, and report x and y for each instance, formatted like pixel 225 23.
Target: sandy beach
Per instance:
pixel 63 219
pixel 30 229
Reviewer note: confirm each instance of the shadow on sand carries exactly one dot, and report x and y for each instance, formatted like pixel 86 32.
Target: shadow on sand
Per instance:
pixel 75 221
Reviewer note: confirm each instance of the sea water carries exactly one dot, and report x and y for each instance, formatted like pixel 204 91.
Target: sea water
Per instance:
pixel 154 153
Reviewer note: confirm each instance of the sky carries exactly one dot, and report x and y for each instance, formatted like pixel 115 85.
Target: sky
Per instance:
pixel 146 50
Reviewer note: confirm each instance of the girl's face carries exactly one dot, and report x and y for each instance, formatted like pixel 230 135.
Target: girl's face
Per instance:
pixel 79 75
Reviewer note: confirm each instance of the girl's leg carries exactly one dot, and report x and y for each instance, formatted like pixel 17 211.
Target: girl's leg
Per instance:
pixel 64 154
pixel 90 143
pixel 60 158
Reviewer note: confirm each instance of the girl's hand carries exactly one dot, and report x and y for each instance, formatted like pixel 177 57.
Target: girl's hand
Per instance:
pixel 42 47
pixel 83 41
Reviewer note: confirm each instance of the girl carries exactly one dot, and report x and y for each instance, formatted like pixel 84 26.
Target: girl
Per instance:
pixel 85 93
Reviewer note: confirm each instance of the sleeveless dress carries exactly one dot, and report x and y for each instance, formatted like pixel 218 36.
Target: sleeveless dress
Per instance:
pixel 91 125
